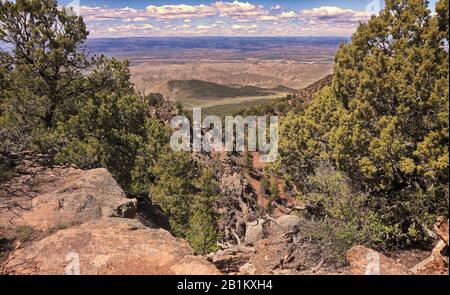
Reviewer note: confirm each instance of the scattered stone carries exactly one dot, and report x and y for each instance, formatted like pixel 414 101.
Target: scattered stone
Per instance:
pixel 247 269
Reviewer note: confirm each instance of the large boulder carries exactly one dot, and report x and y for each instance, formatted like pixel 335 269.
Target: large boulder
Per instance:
pixel 109 246
pixel 254 231
pixel 436 264
pixel 77 198
pixel 284 223
pixel 365 261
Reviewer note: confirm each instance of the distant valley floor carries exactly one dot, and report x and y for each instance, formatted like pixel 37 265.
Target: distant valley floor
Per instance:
pixel 216 83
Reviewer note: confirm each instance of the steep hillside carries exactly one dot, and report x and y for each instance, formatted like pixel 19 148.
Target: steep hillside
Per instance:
pixel 188 89
pixel 292 102
pixel 147 77
pixel 307 93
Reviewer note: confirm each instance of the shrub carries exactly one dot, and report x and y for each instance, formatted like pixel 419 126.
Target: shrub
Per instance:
pixel 346 219
pixel 24 233
pixel 265 185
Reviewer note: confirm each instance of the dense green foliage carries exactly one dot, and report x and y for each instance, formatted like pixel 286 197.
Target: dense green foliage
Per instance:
pixel 383 123
pixel 186 192
pixel 55 99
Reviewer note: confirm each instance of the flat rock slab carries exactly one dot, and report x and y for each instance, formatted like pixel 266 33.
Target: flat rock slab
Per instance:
pixel 365 261
pixel 78 198
pixel 109 246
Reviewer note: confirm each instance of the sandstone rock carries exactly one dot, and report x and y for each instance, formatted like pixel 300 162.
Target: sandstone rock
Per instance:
pixel 441 228
pixel 365 261
pixel 247 269
pixel 254 231
pixel 109 246
pixel 284 223
pixel 80 197
pixel 436 264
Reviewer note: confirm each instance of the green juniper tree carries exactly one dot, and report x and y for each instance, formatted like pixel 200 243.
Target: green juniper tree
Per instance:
pixel 187 193
pixel 202 234
pixel 56 99
pixel 384 120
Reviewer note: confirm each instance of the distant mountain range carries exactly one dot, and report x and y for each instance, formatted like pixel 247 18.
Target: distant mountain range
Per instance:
pixel 139 50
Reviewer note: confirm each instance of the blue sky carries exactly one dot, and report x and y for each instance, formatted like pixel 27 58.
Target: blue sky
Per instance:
pixel 292 4
pixel 137 18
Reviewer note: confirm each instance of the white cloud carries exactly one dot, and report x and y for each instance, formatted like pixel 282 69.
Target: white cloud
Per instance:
pixel 275 7
pixel 203 27
pixel 104 13
pixel 334 14
pixel 234 9
pixel 180 11
pixel 243 20
pixel 238 9
pixel 183 27
pixel 268 18
pixel 289 14
pixel 124 30
pixel 244 27
pixel 234 17
pixel 135 19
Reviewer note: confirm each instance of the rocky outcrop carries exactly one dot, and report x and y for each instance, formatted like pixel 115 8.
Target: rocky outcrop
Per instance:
pixel 437 263
pixel 47 196
pixel 441 228
pixel 283 224
pixel 236 206
pixel 109 246
pixel 365 261
pixel 80 197
pixel 254 231
pixel 82 217
pixel 148 213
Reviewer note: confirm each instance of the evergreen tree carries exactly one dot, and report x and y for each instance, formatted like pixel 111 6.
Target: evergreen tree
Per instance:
pixel 202 234
pixel 174 189
pixel 81 110
pixel 46 60
pixel 384 121
pixel 187 194
pixel 274 191
pixel 265 185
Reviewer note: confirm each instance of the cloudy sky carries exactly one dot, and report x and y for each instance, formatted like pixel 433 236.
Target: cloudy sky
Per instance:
pixel 136 18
